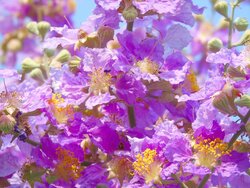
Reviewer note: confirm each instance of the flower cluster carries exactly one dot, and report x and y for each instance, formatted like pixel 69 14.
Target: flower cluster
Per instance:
pixel 132 98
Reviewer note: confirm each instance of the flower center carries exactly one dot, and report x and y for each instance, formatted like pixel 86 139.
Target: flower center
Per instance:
pixel 148 66
pixel 61 113
pixel 68 166
pixel 120 167
pixel 191 78
pixel 148 166
pixel 100 81
pixel 11 100
pixel 208 151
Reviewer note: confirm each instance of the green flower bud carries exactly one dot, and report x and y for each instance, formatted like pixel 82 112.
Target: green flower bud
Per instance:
pixel 43 27
pixel 213 1
pixel 37 75
pixel 7 123
pixel 28 65
pixel 241 147
pixel 214 45
pixel 130 13
pixel 222 8
pixel 63 56
pixel 245 38
pixel 243 101
pixel 91 41
pixel 113 44
pixel 105 34
pixel 14 45
pixel 224 101
pixel 32 27
pixel 49 52
pixel 74 63
pixel 241 24
pixel 235 72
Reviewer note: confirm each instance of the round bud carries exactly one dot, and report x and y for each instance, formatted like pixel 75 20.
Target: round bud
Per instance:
pixel 241 24
pixel 214 45
pixel 222 8
pixel 14 45
pixel 28 65
pixel 63 56
pixel 243 101
pixel 7 124
pixel 130 13
pixel 43 27
pixel 37 75
pixel 32 27
pixel 113 44
pixel 245 37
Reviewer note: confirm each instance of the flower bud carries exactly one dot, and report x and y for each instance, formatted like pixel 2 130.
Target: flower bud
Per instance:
pixel 224 101
pixel 213 1
pixel 241 147
pixel 49 52
pixel 7 123
pixel 113 44
pixel 235 72
pixel 246 37
pixel 214 45
pixel 243 101
pixel 14 45
pixel 37 75
pixel 105 34
pixel 74 63
pixel 91 41
pixel 222 8
pixel 43 27
pixel 28 65
pixel 63 56
pixel 130 13
pixel 32 27
pixel 241 24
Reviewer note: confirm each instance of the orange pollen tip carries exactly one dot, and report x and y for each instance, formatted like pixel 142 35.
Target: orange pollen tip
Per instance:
pixel 68 167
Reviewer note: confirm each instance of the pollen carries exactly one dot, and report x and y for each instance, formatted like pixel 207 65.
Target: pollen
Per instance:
pixel 148 166
pixel 61 113
pixel 68 167
pixel 11 100
pixel 191 78
pixel 100 81
pixel 148 66
pixel 208 151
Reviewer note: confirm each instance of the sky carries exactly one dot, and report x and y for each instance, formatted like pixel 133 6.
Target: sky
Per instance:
pixel 84 8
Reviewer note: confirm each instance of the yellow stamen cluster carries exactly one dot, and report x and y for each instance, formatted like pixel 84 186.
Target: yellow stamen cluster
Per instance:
pixel 208 151
pixel 61 113
pixel 148 166
pixel 100 81
pixel 121 168
pixel 68 167
pixel 148 66
pixel 191 77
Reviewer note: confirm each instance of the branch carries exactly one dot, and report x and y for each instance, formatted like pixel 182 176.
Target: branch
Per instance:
pixel 179 181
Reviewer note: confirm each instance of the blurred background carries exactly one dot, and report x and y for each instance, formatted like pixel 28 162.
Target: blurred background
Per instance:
pixel 84 8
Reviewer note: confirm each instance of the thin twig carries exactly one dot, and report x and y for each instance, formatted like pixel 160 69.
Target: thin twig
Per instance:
pixel 179 181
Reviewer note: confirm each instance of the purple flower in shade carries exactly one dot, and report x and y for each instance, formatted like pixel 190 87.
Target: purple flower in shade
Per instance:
pixel 213 133
pixel 105 138
pixel 92 176
pixel 9 163
pixel 129 89
pixel 58 157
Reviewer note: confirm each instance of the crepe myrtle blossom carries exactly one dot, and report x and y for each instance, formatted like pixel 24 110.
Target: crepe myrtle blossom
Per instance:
pixel 119 102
